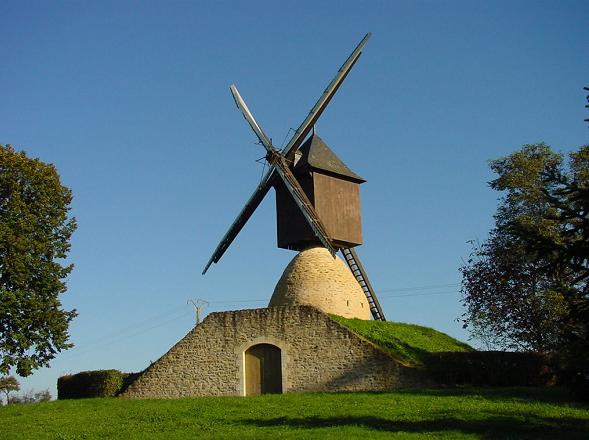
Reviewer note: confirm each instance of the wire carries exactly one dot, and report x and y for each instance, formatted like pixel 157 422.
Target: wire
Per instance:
pixel 149 320
pixel 454 292
pixel 122 335
pixel 173 313
pixel 238 301
pixel 408 289
pixel 284 140
pixel 263 170
pixel 400 289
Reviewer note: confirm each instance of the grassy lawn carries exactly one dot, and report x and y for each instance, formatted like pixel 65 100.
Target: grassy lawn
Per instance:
pixel 507 413
pixel 408 343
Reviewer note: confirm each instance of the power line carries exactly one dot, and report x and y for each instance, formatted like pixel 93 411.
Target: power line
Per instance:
pixel 237 301
pixel 172 313
pixel 149 320
pixel 429 287
pixel 121 336
pixel 400 289
pixel 453 292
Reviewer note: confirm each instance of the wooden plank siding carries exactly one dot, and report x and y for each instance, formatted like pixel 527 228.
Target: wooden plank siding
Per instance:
pixel 263 370
pixel 337 202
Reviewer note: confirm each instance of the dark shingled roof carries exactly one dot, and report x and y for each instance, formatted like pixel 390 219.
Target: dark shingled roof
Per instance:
pixel 315 154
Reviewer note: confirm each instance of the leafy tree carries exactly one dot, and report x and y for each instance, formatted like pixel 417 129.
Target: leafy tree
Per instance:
pixel 528 285
pixel 509 302
pixel 8 384
pixel 546 207
pixel 34 236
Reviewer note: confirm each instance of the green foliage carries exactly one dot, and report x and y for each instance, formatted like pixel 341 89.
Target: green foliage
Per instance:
pixel 527 286
pixel 545 208
pixel 408 343
pixel 531 413
pixel 510 303
pixel 34 235
pixel 99 383
pixel 532 273
pixel 8 384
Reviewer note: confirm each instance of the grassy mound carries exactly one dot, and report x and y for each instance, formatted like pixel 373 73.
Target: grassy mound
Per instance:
pixel 410 344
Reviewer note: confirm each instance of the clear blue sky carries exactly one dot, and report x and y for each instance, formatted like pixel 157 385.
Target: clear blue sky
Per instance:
pixel 131 102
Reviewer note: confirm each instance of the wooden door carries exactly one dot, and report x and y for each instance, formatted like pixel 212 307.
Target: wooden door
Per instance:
pixel 263 370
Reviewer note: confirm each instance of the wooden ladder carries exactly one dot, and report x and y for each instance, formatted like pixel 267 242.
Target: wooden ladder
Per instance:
pixel 360 274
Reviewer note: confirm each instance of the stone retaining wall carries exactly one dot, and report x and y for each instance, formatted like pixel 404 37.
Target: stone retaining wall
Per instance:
pixel 318 354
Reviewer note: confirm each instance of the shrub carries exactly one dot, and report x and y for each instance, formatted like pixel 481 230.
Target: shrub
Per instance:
pixel 492 368
pixel 573 371
pixel 99 383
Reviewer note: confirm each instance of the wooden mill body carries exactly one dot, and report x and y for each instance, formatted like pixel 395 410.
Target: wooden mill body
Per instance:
pixel 334 191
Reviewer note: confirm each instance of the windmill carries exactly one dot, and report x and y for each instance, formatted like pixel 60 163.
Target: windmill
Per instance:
pixel 311 190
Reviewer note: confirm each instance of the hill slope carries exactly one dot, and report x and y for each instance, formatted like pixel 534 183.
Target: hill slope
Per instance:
pixel 532 413
pixel 410 344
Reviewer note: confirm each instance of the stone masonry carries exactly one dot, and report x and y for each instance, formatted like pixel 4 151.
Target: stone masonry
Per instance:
pixel 318 354
pixel 314 277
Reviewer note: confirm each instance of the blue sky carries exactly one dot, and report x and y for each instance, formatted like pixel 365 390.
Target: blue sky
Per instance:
pixel 131 102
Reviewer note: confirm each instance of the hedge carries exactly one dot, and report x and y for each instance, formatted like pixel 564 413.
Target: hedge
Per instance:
pixel 492 368
pixel 99 383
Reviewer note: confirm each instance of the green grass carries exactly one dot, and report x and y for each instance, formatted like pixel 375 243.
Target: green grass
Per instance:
pixel 407 343
pixel 512 413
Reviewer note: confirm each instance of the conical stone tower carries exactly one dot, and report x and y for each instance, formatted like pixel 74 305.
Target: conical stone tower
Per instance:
pixel 317 279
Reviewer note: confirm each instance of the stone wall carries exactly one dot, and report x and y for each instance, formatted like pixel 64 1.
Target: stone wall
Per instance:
pixel 318 354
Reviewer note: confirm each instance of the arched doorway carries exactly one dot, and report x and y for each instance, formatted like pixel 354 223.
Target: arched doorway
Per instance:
pixel 263 370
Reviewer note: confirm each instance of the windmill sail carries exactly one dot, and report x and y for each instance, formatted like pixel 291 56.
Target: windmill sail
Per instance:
pixel 322 102
pixel 294 143
pixel 258 195
pixel 247 114
pixel 280 166
pixel 240 221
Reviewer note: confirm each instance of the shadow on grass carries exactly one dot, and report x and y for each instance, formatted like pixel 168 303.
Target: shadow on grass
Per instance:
pixel 493 427
pixel 553 395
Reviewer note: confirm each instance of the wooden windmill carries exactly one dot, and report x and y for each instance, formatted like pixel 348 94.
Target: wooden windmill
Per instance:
pixel 317 196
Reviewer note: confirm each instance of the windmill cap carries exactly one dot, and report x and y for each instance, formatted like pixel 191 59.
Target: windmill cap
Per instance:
pixel 316 155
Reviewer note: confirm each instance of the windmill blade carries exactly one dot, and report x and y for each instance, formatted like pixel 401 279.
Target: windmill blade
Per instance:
pixel 303 202
pixel 353 261
pixel 279 165
pixel 260 192
pixel 247 211
pixel 321 104
pixel 245 111
pixel 286 175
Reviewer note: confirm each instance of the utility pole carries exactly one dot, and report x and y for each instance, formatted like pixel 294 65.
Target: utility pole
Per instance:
pixel 198 304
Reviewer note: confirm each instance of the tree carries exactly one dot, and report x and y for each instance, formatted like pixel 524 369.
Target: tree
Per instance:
pixel 34 239
pixel 43 396
pixel 533 270
pixel 8 384
pixel 528 284
pixel 509 302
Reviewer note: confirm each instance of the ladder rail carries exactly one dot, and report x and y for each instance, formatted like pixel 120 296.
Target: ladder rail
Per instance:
pixel 353 262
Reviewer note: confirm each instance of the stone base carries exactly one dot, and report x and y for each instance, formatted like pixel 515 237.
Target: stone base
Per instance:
pixel 315 278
